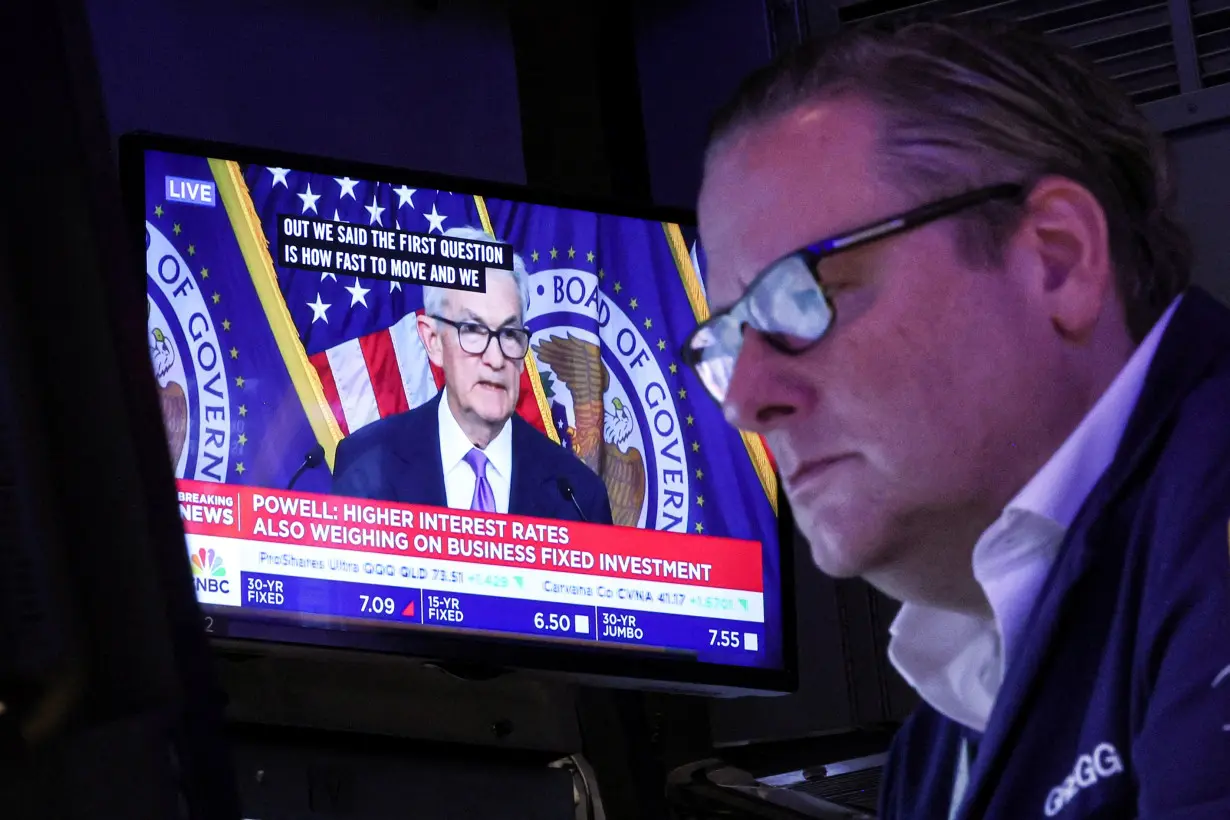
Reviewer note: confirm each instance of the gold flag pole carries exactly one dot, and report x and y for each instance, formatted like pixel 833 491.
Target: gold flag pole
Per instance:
pixel 752 442
pixel 530 365
pixel 255 248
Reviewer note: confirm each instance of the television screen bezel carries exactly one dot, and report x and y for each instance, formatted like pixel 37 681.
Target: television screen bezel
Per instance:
pixel 467 651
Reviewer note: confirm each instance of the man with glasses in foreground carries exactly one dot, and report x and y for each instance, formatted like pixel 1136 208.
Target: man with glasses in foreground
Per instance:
pixel 952 293
pixel 466 448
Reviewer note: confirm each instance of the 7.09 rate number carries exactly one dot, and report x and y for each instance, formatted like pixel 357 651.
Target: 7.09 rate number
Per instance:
pixel 377 604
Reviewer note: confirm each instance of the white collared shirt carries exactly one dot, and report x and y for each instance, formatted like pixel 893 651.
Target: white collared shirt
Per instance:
pixel 957 662
pixel 459 477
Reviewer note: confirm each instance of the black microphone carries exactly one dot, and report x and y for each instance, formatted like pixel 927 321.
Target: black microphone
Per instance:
pixel 566 490
pixel 314 458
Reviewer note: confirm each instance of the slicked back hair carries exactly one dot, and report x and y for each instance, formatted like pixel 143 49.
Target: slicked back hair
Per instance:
pixel 964 104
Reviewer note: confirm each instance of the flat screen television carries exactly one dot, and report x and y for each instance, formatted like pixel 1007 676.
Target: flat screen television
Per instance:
pixel 448 419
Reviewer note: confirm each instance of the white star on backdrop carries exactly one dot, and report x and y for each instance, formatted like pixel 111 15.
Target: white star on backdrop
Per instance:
pixel 358 294
pixel 347 187
pixel 279 176
pixel 403 196
pixel 318 310
pixel 325 274
pixel 309 200
pixel 394 284
pixel 375 211
pixel 436 220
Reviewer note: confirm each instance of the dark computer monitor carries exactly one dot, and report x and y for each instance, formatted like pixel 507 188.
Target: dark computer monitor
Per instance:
pixel 315 328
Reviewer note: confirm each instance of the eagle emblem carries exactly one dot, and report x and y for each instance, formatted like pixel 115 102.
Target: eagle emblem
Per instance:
pixel 601 431
pixel 171 396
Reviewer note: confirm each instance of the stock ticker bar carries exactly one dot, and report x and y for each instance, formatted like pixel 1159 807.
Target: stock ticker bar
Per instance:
pixel 707 638
pixel 415 566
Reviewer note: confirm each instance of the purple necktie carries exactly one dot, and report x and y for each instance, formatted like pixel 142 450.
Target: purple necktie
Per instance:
pixel 484 498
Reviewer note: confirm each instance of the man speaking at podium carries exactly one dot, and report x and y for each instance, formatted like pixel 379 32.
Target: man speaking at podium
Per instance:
pixel 466 448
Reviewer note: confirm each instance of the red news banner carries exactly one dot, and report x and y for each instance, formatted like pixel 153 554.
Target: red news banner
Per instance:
pixel 413 530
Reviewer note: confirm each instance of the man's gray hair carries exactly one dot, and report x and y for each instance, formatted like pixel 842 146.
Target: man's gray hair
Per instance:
pixel 435 300
pixel 965 104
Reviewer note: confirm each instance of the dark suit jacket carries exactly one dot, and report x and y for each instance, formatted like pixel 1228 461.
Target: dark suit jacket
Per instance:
pixel 398 459
pixel 1117 703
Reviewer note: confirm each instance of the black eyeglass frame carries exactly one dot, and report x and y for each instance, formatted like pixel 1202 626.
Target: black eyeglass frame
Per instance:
pixel 813 253
pixel 491 334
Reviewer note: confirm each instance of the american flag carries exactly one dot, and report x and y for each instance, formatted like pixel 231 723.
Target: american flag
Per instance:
pixel 359 334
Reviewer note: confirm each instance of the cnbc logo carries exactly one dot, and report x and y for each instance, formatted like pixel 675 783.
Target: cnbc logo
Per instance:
pixel 208 572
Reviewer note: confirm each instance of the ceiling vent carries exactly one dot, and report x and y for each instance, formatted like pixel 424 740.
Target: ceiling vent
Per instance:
pixel 1136 42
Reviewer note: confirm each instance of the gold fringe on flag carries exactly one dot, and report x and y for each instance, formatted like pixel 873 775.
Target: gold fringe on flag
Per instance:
pixel 255 248
pixel 530 365
pixel 700 309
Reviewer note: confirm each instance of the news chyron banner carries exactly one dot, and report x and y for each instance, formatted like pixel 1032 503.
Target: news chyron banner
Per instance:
pixel 332 557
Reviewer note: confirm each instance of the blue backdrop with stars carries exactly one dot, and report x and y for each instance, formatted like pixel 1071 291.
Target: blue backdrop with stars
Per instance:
pixel 636 270
pixel 269 430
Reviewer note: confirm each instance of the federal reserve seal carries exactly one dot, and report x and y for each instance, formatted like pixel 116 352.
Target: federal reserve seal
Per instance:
pixel 622 418
pixel 188 364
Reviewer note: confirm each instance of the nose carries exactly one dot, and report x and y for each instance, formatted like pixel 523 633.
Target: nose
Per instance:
pixel 493 356
pixel 762 392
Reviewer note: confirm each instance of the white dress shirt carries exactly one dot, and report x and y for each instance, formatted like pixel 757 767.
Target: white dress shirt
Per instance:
pixel 459 477
pixel 957 662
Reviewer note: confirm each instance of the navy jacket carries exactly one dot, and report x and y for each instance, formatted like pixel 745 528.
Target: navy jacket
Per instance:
pixel 1117 702
pixel 398 459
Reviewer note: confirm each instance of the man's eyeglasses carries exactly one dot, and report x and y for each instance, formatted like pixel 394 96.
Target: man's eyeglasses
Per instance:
pixel 787 302
pixel 475 338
